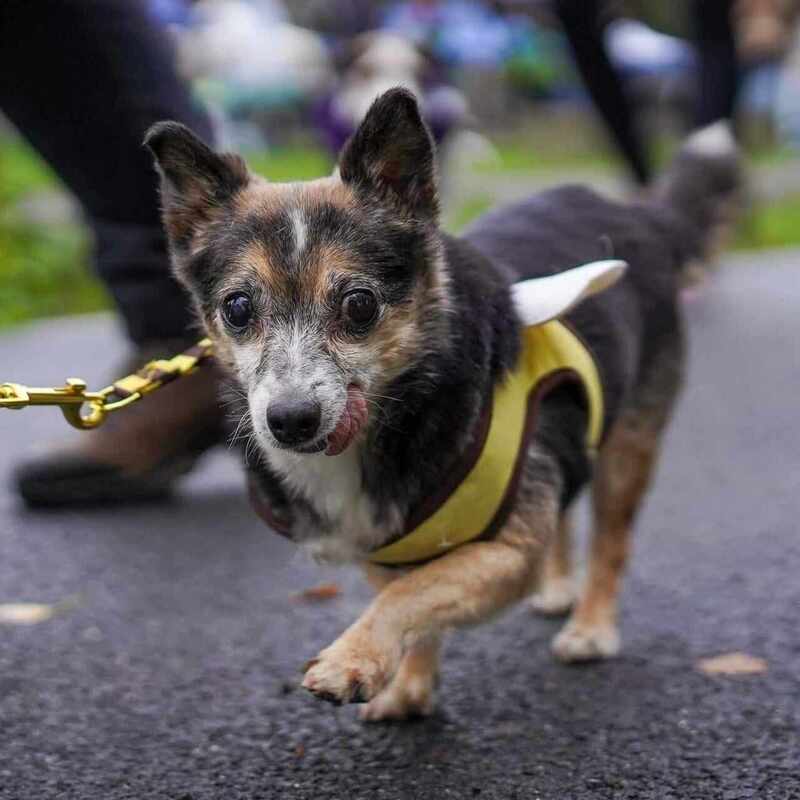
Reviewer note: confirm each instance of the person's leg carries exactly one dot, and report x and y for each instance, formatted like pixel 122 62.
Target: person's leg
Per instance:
pixel 718 69
pixel 83 80
pixel 583 27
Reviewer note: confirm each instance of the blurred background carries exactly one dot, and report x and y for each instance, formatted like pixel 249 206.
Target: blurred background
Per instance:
pixel 285 82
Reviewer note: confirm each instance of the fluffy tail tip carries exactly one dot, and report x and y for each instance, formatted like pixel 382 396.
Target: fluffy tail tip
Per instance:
pixel 704 186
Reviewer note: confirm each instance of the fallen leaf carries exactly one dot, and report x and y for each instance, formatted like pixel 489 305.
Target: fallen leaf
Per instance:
pixel 33 613
pixel 25 613
pixel 300 750
pixel 732 664
pixel 318 594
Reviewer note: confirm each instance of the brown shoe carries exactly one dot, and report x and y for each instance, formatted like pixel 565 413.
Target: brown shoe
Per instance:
pixel 139 452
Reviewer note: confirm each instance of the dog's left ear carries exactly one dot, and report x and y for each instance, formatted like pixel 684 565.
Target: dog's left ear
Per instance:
pixel 392 154
pixel 195 181
pixel 541 299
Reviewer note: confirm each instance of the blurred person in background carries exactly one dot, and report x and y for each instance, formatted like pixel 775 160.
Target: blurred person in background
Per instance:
pixel 380 60
pixel 256 71
pixel 727 33
pixel 83 81
pixel 584 23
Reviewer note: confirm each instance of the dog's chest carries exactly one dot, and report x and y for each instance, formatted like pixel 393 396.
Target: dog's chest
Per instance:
pixel 333 487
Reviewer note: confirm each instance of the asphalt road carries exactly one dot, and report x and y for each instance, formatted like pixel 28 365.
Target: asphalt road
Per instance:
pixel 173 674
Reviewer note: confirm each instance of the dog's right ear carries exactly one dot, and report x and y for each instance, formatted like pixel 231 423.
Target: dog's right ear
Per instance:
pixel 195 181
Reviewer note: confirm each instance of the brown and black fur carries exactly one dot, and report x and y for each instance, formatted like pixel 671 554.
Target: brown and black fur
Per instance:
pixel 446 335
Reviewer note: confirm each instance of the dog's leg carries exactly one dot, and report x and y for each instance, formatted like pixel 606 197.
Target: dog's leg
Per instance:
pixel 622 476
pixel 463 587
pixel 411 692
pixel 556 592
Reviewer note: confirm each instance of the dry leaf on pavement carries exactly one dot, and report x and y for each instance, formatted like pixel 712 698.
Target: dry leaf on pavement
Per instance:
pixel 25 613
pixel 318 594
pixel 732 664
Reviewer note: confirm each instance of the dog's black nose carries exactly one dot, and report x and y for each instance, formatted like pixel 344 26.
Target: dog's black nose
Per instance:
pixel 293 421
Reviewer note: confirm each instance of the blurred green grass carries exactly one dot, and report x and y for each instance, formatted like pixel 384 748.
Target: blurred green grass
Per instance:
pixel 45 266
pixel 299 163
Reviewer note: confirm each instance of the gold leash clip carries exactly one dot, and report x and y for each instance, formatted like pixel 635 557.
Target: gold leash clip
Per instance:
pixel 84 409
pixel 70 398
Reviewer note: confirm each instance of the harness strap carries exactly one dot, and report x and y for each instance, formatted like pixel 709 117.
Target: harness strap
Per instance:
pixel 479 504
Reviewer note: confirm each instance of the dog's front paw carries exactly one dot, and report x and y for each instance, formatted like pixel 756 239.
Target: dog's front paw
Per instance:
pixel 406 697
pixel 584 642
pixel 352 670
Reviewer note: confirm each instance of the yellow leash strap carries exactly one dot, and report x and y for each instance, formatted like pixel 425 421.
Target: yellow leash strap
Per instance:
pixel 85 409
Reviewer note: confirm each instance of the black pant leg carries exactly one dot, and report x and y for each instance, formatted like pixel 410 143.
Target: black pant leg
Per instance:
pixel 582 24
pixel 718 69
pixel 83 80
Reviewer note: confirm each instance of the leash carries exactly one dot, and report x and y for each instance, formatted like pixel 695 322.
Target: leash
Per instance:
pixel 84 409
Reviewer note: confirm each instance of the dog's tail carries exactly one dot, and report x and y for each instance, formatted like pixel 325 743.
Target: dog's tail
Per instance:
pixel 703 186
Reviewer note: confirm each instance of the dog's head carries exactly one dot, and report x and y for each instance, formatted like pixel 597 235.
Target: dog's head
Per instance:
pixel 317 295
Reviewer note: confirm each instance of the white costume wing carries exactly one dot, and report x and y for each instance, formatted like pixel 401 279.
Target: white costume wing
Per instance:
pixel 541 299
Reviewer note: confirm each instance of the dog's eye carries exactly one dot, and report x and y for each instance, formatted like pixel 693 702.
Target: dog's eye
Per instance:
pixel 360 308
pixel 237 310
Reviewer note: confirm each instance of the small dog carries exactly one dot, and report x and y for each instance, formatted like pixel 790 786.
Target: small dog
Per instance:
pixel 415 402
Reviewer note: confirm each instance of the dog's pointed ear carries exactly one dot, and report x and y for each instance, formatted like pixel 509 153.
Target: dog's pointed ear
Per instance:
pixel 392 154
pixel 195 181
pixel 541 299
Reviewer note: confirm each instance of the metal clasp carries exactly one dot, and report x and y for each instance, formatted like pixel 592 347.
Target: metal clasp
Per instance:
pixel 84 409
pixel 81 408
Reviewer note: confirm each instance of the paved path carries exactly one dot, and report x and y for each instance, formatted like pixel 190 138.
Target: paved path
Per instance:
pixel 174 676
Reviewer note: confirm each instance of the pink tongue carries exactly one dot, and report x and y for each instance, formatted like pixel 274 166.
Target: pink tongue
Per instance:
pixel 353 418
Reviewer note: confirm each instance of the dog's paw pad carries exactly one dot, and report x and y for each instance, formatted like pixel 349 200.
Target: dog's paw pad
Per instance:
pixel 346 674
pixel 408 699
pixel 337 686
pixel 555 598
pixel 586 643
